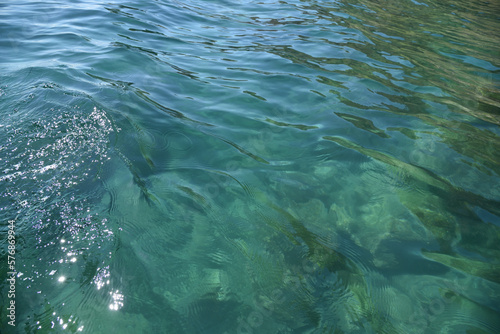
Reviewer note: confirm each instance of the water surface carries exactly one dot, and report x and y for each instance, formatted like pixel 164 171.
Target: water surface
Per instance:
pixel 251 167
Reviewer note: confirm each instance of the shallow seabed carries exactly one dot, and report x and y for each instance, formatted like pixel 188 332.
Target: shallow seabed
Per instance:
pixel 251 167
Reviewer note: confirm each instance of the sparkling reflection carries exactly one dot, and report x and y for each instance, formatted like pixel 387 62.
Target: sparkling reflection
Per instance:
pixel 117 301
pixel 102 277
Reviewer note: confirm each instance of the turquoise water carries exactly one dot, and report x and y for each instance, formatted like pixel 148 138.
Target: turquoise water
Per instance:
pixel 241 167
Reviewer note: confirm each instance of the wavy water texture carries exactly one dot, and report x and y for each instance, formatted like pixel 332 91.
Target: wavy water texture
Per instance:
pixel 251 167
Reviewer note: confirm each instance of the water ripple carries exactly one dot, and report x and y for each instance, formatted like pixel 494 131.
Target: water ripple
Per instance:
pixel 268 166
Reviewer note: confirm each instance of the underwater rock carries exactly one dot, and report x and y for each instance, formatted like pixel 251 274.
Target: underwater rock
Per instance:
pixel 384 258
pixel 339 215
pixel 325 171
pixel 312 212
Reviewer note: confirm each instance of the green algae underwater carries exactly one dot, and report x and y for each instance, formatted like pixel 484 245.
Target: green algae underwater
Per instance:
pixel 236 167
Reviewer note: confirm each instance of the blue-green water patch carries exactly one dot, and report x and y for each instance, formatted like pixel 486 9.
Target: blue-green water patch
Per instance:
pixel 258 167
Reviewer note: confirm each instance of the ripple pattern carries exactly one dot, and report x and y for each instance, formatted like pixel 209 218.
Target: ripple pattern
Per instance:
pixel 252 167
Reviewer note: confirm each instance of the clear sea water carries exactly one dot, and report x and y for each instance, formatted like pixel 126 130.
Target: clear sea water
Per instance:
pixel 236 167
